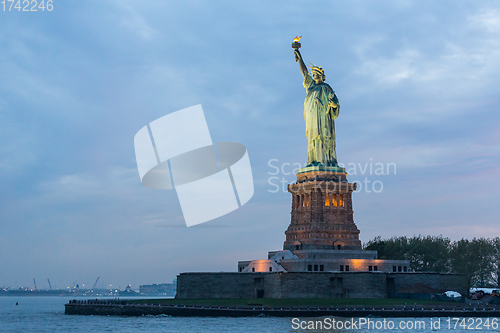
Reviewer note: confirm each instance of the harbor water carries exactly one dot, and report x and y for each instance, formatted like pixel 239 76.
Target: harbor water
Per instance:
pixel 46 314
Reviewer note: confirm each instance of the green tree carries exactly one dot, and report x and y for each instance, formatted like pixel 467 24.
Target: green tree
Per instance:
pixel 474 259
pixel 394 248
pixel 496 261
pixel 425 253
pixel 462 260
pixel 376 244
pixel 429 253
pixel 478 259
pixel 485 255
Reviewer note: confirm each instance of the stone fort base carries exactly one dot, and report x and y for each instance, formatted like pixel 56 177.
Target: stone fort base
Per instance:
pixel 310 284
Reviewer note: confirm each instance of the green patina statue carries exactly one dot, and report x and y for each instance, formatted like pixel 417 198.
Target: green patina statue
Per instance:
pixel 321 107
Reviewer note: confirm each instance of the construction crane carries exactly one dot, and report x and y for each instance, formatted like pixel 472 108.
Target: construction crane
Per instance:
pixel 50 286
pixel 34 282
pixel 95 284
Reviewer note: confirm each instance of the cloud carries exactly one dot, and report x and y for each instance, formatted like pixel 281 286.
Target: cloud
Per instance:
pixel 134 22
pixel 487 19
pixel 390 71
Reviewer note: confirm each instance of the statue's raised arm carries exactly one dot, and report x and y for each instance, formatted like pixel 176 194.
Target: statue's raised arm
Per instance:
pixel 321 107
pixel 302 66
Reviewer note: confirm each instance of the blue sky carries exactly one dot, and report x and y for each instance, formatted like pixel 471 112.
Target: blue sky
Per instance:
pixel 418 83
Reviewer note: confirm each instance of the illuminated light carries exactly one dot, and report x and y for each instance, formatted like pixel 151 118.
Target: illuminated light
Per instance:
pixel 261 265
pixel 327 200
pixel 358 264
pixel 297 39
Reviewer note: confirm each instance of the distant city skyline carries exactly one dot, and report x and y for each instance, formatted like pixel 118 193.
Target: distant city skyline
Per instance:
pixel 418 86
pixel 44 285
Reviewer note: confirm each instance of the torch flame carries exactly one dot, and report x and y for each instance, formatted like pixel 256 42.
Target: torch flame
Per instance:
pixel 297 39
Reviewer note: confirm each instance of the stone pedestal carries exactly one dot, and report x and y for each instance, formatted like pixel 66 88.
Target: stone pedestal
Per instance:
pixel 322 215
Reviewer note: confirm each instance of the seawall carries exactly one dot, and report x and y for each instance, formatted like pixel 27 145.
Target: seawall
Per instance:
pixel 123 308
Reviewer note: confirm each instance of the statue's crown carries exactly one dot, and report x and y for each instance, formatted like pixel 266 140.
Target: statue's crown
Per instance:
pixel 317 69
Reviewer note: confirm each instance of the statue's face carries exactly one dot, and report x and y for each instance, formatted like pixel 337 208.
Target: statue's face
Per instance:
pixel 318 77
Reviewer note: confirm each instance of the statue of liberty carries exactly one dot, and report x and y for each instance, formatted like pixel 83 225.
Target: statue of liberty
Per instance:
pixel 321 107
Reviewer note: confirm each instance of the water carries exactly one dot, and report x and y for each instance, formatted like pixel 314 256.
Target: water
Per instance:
pixel 46 314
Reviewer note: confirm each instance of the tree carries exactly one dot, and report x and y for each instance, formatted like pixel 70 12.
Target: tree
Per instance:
pixel 425 253
pixel 462 260
pixel 496 261
pixel 485 255
pixel 376 244
pixel 478 259
pixel 394 248
pixel 474 259
pixel 429 253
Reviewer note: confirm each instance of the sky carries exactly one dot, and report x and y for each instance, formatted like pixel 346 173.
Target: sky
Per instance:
pixel 418 84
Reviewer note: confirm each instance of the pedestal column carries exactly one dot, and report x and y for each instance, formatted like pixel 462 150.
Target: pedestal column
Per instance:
pixel 322 215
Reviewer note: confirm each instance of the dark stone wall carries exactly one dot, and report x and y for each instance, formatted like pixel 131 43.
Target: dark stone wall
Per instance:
pixel 309 284
pixel 444 282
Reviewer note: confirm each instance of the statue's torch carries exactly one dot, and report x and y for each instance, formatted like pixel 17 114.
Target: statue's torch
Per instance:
pixel 296 45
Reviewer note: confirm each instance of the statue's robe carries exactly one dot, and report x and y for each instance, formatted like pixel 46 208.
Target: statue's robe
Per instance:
pixel 320 126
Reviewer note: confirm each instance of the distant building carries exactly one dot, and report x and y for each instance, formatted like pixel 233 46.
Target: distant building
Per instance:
pixel 163 289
